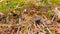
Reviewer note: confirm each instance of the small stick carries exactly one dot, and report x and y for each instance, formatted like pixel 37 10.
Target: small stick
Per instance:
pixel 53 18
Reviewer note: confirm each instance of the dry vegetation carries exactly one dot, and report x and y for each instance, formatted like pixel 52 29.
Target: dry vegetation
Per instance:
pixel 29 16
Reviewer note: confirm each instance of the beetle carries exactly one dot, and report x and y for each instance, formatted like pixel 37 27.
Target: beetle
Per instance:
pixel 37 21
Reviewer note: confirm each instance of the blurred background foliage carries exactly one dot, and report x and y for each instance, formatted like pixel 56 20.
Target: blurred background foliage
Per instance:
pixel 6 5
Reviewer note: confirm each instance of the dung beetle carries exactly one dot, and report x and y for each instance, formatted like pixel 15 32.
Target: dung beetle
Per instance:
pixel 37 21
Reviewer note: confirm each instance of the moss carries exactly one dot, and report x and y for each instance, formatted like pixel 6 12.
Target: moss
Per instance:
pixel 49 13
